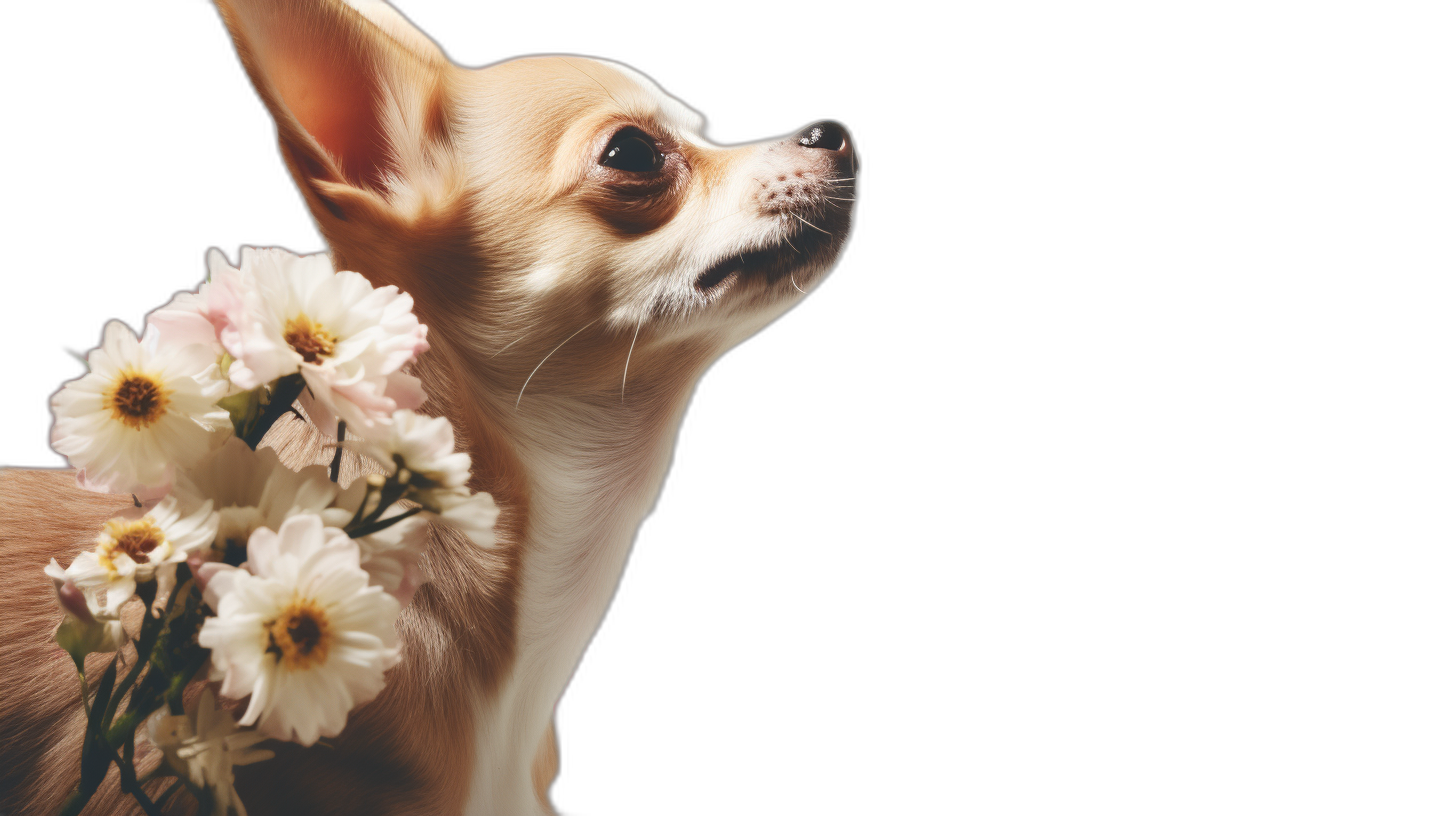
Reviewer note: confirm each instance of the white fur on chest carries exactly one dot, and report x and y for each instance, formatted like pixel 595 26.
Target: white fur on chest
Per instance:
pixel 589 493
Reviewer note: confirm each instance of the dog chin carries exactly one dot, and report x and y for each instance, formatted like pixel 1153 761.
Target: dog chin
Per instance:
pixel 787 263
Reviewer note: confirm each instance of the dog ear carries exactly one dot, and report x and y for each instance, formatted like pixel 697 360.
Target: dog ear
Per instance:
pixel 356 92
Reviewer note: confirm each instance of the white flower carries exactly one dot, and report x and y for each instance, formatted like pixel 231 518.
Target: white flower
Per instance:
pixel 68 596
pixel 252 489
pixel 198 317
pixel 80 632
pixel 204 747
pixel 424 447
pixel 137 415
pixel 348 339
pixel 391 556
pixel 473 515
pixel 300 630
pixel 134 548
pixel 422 451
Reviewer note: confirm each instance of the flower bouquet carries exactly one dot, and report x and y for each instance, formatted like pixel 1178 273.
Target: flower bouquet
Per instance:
pixel 279 586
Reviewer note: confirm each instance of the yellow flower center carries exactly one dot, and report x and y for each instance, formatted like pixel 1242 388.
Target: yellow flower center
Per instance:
pixel 135 538
pixel 301 636
pixel 137 400
pixel 309 339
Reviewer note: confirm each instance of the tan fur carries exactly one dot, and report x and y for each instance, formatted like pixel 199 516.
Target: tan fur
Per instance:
pixel 44 516
pixel 538 273
pixel 544 768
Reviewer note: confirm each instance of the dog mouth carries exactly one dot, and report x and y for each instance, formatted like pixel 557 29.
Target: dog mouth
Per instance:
pixel 773 263
pixel 734 264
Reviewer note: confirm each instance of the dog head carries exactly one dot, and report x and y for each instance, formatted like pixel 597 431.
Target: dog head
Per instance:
pixel 547 208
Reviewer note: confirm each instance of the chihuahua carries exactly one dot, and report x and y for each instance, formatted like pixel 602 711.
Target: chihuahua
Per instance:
pixel 581 254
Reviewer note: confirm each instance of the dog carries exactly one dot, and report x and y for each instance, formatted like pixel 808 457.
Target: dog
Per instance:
pixel 581 254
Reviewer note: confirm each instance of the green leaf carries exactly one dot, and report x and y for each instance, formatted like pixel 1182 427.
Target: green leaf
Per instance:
pixel 243 408
pixel 103 696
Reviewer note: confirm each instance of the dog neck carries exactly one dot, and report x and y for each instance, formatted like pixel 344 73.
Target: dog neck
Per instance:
pixel 575 474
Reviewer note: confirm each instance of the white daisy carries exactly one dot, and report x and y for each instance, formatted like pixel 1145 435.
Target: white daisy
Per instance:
pixel 137 415
pixel 300 630
pixel 348 339
pixel 134 548
pixel 251 489
pixel 422 452
pixel 204 746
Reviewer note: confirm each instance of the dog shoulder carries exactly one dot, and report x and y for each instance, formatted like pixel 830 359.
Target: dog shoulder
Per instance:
pixel 44 511
pixel 43 515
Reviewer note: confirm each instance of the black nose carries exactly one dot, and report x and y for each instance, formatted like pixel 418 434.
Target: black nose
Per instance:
pixel 825 135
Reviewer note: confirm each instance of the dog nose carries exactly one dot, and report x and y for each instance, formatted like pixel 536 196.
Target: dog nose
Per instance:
pixel 825 135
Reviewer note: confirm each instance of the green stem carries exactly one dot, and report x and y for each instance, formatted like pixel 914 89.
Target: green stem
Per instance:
pixel 144 700
pixel 182 678
pixel 338 455
pixel 144 646
pixel 121 688
pixel 376 526
pixel 388 495
pixel 129 780
pixel 124 728
pixel 369 489
pixel 85 693
pixel 146 641
pixel 180 586
pixel 77 801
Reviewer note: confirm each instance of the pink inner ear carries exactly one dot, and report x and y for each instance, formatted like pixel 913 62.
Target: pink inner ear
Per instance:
pixel 329 86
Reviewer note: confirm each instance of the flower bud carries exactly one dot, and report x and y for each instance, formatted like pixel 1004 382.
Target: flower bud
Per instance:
pixel 68 595
pixel 80 638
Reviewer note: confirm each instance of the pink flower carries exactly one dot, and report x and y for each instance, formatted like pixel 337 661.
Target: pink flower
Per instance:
pixel 289 313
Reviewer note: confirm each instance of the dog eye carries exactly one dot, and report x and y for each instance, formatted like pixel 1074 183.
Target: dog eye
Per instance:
pixel 633 151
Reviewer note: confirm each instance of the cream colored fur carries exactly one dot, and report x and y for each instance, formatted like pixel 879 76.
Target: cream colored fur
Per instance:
pixel 568 327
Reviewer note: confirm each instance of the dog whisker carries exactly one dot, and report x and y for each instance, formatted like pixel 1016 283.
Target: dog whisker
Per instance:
pixel 837 198
pixel 738 211
pixel 796 284
pixel 821 229
pixel 629 358
pixel 547 357
pixel 508 345
pixel 592 78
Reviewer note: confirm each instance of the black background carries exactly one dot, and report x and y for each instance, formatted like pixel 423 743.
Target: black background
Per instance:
pixel 757 646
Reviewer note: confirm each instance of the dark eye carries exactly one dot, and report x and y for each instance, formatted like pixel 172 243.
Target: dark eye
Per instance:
pixel 633 151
